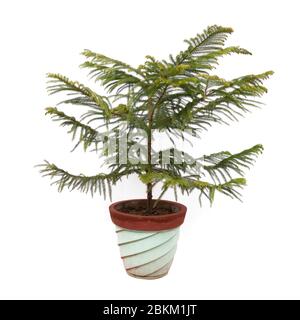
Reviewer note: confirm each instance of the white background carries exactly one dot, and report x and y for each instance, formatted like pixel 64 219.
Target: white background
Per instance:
pixel 62 245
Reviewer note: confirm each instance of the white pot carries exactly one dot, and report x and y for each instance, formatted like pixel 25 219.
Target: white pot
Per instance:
pixel 147 242
pixel 147 254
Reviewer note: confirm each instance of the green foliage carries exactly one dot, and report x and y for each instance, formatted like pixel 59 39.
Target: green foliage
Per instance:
pixel 87 135
pixel 211 40
pixel 188 184
pixel 173 95
pixel 112 73
pixel 98 183
pixel 223 164
pixel 81 95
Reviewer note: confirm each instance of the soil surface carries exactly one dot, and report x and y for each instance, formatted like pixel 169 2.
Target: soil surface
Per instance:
pixel 139 208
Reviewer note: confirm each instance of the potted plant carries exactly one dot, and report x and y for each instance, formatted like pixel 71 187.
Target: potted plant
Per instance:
pixel 178 97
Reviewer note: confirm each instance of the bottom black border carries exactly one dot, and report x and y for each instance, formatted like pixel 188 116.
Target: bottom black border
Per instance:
pixel 142 309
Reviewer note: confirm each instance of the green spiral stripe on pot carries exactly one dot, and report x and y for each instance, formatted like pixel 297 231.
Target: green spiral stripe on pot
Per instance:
pixel 147 254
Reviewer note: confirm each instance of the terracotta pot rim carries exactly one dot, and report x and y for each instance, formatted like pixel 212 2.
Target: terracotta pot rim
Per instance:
pixel 147 222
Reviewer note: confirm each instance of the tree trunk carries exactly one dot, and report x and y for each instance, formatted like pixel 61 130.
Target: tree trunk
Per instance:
pixel 149 185
pixel 149 149
pixel 149 198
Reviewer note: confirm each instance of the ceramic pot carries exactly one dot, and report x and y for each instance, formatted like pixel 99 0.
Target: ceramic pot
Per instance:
pixel 147 242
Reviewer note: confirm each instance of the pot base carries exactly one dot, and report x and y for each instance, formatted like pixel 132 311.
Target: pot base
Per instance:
pixel 147 277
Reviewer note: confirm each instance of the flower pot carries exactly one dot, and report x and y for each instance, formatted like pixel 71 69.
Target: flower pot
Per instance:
pixel 147 242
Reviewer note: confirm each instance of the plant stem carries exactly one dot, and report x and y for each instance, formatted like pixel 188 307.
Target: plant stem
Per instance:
pixel 149 198
pixel 149 149
pixel 151 109
pixel 159 198
pixel 149 185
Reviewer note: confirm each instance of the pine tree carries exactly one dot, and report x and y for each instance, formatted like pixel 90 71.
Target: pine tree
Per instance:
pixel 177 95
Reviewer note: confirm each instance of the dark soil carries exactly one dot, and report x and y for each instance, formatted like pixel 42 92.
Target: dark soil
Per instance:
pixel 140 208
